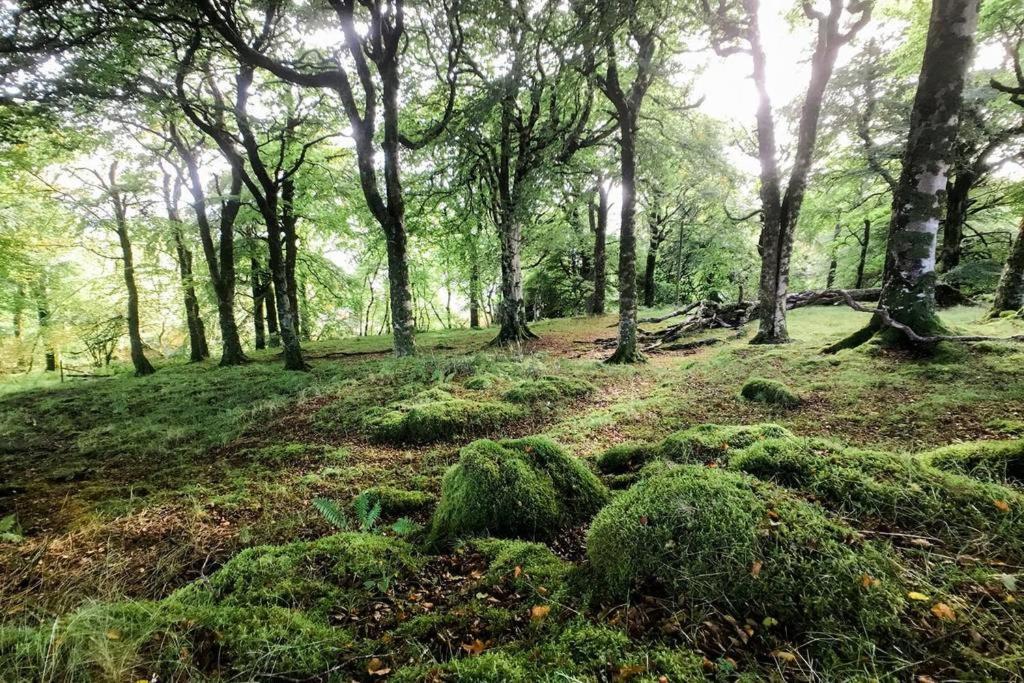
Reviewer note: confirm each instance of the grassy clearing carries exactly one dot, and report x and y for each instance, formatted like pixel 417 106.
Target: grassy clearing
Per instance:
pixel 137 499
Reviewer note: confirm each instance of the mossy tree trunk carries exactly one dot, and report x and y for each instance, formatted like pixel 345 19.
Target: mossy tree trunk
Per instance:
pixel 219 256
pixel 833 261
pixel 865 240
pixel 474 293
pixel 908 289
pixel 598 213
pixel 43 315
pixel 1010 291
pixel 259 293
pixel 273 330
pixel 659 229
pixel 957 203
pixel 142 365
pixel 198 349
pixel 512 309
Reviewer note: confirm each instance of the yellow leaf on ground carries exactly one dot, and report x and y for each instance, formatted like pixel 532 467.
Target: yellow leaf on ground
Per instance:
pixel 943 611
pixel 474 648
pixel 1001 505
pixel 785 656
pixel 538 612
pixel 113 634
pixel 920 597
pixel 376 668
pixel 755 569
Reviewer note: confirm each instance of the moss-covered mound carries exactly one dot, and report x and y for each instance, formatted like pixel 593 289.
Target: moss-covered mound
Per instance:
pixel 436 416
pixel 700 444
pixel 527 488
pixel 395 501
pixel 267 612
pixel 745 546
pixel 902 491
pixel 769 391
pixel 548 389
pixel 996 461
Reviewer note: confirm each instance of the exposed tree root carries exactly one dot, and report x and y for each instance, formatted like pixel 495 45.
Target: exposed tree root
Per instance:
pixel 882 320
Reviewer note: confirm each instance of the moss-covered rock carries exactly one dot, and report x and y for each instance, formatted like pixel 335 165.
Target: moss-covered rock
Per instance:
pixel 903 491
pixel 548 389
pixel 996 461
pixel 523 564
pixel 710 442
pixel 428 418
pixel 395 501
pixel 627 457
pixel 526 488
pixel 769 391
pixel 743 545
pixel 699 444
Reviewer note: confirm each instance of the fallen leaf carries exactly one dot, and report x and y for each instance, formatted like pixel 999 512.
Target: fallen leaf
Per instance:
pixel 770 621
pixel 113 634
pixel 474 648
pixel 920 597
pixel 538 612
pixel 867 581
pixel 518 571
pixel 1001 505
pixel 943 611
pixel 785 656
pixel 643 520
pixel 755 569
pixel 625 673
pixel 376 668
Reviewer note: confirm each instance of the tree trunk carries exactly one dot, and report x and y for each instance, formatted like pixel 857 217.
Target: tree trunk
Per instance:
pixel 652 262
pixel 512 309
pixel 43 313
pixel 862 261
pixel 273 330
pixel 957 203
pixel 258 295
pixel 599 224
pixel 474 295
pixel 285 313
pixel 833 263
pixel 627 351
pixel 142 365
pixel 290 237
pixel 908 290
pixel 1010 292
pixel 19 303
pixel 219 261
pixel 198 349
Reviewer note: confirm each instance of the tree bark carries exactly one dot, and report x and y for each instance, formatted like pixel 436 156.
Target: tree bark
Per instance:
pixel 1010 291
pixel 862 261
pixel 259 293
pixel 142 365
pixel 273 330
pixel 957 203
pixel 599 224
pixel 474 294
pixel 43 314
pixel 512 309
pixel 198 348
pixel 290 238
pixel 627 351
pixel 658 229
pixel 908 290
pixel 833 262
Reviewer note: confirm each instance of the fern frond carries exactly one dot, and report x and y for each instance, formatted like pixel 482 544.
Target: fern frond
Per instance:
pixel 331 512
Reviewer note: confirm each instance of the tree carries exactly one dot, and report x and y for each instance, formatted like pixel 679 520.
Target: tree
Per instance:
pixel 376 56
pixel 780 207
pixel 597 214
pixel 908 288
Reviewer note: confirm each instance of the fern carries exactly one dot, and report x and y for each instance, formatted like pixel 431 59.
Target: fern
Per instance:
pixel 367 516
pixel 9 530
pixel 331 512
pixel 404 526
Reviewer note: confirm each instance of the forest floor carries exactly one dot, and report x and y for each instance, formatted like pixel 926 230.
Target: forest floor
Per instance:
pixel 129 493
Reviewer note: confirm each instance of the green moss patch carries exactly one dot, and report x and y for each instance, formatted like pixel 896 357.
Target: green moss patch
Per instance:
pixel 700 444
pixel 437 416
pixel 744 546
pixel 527 488
pixel 901 491
pixel 548 389
pixel 395 501
pixel 769 391
pixel 996 461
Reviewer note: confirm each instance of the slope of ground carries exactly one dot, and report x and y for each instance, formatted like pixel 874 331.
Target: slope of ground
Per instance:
pixel 130 489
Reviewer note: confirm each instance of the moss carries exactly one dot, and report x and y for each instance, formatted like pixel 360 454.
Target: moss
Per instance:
pixel 996 461
pixel 435 420
pixel 901 491
pixel 395 501
pixel 523 564
pixel 710 442
pixel 591 645
pixel 521 488
pixel 769 391
pixel 480 382
pixel 726 539
pixel 489 667
pixel 344 570
pixel 626 457
pixel 548 389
